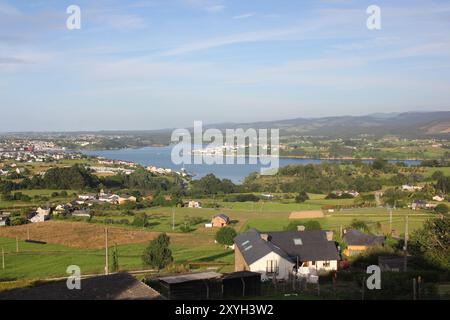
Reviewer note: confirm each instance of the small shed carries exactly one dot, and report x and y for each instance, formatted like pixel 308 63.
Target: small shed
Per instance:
pixel 241 284
pixel 220 220
pixel 392 263
pixel 193 286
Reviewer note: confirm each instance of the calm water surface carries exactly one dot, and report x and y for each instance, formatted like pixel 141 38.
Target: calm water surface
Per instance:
pixel 161 157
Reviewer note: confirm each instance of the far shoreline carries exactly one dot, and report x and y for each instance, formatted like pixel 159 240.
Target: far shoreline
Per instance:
pixel 280 156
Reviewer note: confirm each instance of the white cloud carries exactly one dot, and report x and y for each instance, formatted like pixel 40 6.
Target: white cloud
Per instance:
pixel 245 15
pixel 124 21
pixel 264 35
pixel 215 9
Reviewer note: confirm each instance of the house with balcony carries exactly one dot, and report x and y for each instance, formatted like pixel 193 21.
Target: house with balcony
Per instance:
pixel 283 253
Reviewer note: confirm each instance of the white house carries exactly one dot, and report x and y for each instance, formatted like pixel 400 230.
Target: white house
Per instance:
pixel 407 187
pixel 278 254
pixel 438 198
pixel 41 215
pixel 42 211
pixel 109 198
pixel 4 219
pixel 194 204
pixel 126 198
pixel 88 196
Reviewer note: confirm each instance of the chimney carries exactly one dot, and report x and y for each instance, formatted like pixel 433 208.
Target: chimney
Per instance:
pixel 300 228
pixel 265 236
pixel 329 235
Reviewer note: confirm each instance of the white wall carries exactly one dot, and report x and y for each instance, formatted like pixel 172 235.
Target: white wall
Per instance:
pixel 319 266
pixel 284 266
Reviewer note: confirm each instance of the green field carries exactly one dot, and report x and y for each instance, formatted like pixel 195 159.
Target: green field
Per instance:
pixel 38 261
pixel 51 260
pixel 37 202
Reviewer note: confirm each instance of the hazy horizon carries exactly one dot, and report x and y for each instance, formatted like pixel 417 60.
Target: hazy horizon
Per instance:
pixel 154 64
pixel 190 125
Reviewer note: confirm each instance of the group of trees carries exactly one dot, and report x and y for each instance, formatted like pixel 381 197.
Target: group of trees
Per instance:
pixel 315 178
pixel 432 242
pixel 211 185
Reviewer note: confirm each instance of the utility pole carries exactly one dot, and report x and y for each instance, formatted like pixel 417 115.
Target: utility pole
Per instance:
pixel 173 219
pixel 106 251
pixel 3 258
pixel 363 288
pixel 405 248
pixel 340 231
pixel 28 233
pixel 390 221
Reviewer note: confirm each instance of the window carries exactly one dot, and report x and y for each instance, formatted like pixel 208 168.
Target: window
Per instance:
pixel 271 266
pixel 313 263
pixel 298 242
pixel 326 264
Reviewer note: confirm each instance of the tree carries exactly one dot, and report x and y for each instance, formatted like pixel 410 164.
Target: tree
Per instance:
pixel 226 236
pixel 394 197
pixel 140 220
pixel 433 242
pixel 442 208
pixel 360 225
pixel 158 254
pixel 115 260
pixel 75 177
pixel 437 175
pixel 301 197
pixel 379 164
pixel 443 184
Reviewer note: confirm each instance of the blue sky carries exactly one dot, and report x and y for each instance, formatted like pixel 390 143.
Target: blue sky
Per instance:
pixel 149 64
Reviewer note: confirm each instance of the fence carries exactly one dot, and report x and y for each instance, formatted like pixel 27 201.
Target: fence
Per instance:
pixel 393 287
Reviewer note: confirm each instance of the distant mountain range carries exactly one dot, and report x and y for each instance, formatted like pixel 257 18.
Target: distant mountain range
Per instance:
pixel 408 124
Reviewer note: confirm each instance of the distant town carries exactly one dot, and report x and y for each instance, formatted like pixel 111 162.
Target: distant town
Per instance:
pixel 308 231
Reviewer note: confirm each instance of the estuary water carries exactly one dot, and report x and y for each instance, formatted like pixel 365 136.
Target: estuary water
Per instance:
pixel 161 157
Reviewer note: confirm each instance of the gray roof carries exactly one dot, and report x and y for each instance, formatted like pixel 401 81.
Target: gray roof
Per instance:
pixel 254 248
pixel 120 286
pixel 223 216
pixel 190 277
pixel 357 238
pixel 304 245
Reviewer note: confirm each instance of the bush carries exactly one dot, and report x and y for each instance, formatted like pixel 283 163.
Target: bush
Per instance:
pixel 442 208
pixel 360 225
pixel 226 236
pixel 17 221
pixel 158 254
pixel 242 198
pixel 140 220
pixel 301 197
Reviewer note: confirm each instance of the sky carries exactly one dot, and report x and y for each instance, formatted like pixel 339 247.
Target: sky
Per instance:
pixel 151 64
